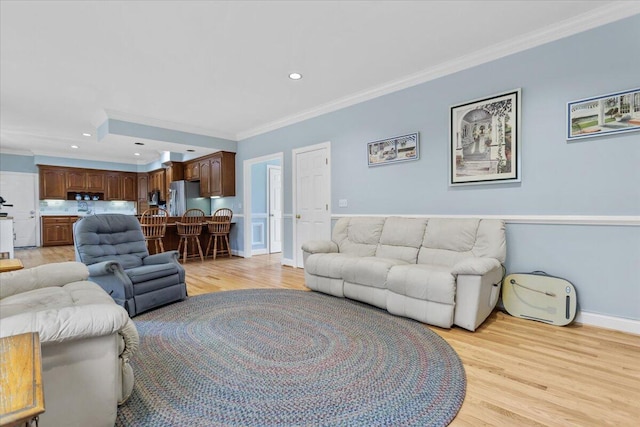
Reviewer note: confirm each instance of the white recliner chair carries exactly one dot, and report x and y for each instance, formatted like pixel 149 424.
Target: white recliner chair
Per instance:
pixel 86 338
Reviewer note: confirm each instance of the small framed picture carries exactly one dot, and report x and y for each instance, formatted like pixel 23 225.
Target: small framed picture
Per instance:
pixel 392 150
pixel 484 137
pixel 604 115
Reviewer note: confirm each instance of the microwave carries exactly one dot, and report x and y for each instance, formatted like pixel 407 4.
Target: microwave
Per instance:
pixel 154 198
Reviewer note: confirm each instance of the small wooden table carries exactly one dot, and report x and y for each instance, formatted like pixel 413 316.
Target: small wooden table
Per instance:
pixel 22 398
pixel 10 265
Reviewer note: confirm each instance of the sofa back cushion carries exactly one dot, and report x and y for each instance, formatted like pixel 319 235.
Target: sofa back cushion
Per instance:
pixel 449 240
pixel 401 238
pixel 358 236
pixel 109 237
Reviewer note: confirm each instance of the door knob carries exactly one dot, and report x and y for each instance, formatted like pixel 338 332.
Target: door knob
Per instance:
pixel 298 216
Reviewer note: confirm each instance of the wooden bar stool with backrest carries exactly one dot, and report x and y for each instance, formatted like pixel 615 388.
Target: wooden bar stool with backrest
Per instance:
pixel 219 228
pixel 154 225
pixel 189 229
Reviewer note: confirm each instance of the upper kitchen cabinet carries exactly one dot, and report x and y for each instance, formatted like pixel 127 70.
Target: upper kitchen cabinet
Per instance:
pixel 192 171
pixel 157 181
pixel 52 183
pixel 218 175
pixel 174 171
pixel 143 192
pixel 83 180
pixel 63 183
pixel 223 174
pixel 205 177
pixel 121 186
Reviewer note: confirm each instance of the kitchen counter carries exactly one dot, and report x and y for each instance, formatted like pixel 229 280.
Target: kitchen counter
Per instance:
pixel 171 238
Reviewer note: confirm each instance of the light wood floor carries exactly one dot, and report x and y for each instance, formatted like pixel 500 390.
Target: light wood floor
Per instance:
pixel 519 372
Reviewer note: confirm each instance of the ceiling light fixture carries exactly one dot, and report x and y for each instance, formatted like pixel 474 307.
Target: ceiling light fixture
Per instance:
pixel 139 143
pixel 295 76
pixel 86 134
pixel 136 154
pixel 74 146
pixel 191 151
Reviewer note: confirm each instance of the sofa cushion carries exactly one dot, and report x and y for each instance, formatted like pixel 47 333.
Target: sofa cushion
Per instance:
pixel 359 237
pixel 327 265
pixel 423 282
pixel 73 311
pixel 369 271
pixel 401 238
pixel 146 273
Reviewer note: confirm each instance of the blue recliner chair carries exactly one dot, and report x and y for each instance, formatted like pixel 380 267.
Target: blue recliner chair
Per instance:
pixel 114 249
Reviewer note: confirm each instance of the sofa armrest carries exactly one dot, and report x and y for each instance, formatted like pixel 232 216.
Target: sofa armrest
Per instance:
pixel 67 323
pixel 111 277
pixel 161 258
pixel 319 246
pixel 43 276
pixel 475 266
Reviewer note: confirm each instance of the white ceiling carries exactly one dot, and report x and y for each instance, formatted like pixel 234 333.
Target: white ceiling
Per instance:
pixel 220 68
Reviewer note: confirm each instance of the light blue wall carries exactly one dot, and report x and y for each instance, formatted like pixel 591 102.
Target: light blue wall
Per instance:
pixel 137 130
pixel 597 176
pixel 17 163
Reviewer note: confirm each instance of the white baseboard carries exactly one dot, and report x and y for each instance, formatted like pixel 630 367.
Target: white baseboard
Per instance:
pixel 262 251
pixel 609 322
pixel 237 253
pixel 287 261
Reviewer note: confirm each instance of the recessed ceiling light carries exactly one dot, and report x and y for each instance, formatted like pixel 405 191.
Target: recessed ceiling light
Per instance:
pixel 136 154
pixel 86 134
pixel 191 151
pixel 74 146
pixel 295 76
pixel 139 143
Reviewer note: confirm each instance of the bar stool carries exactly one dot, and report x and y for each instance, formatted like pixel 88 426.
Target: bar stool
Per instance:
pixel 154 225
pixel 189 229
pixel 219 228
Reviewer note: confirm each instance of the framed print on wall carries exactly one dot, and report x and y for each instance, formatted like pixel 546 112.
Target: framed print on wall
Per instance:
pixel 484 138
pixel 392 150
pixel 603 115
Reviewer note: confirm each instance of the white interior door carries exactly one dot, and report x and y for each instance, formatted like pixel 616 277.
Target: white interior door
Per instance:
pixel 21 191
pixel 275 208
pixel 313 188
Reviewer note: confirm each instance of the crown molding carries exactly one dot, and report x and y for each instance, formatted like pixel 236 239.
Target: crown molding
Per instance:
pixel 580 23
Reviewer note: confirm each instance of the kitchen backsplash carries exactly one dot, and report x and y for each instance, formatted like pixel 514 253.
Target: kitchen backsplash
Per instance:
pixel 72 207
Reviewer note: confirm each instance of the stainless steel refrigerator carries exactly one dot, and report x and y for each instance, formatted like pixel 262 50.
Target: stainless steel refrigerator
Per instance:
pixel 185 195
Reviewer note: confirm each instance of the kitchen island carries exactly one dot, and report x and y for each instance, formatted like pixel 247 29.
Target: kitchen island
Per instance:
pixel 171 238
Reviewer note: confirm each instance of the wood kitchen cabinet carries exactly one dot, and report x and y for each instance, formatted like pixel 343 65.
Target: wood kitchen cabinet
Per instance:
pixel 85 181
pixel 121 186
pixel 223 174
pixel 174 171
pixel 205 177
pixel 192 171
pixel 52 183
pixel 157 181
pixel 57 230
pixel 143 192
pixel 129 186
pixel 218 175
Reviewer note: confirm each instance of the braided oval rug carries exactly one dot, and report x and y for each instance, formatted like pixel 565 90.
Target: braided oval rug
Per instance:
pixel 272 357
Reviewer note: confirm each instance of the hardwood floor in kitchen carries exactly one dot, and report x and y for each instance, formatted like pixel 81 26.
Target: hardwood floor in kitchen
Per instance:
pixel 519 372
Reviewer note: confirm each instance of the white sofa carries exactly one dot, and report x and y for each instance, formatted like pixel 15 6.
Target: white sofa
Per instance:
pixel 86 340
pixel 440 271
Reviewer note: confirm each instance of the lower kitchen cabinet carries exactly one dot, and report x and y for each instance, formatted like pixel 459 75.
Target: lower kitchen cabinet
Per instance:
pixel 57 230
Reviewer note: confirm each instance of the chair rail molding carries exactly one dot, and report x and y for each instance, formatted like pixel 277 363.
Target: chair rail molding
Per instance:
pixel 612 220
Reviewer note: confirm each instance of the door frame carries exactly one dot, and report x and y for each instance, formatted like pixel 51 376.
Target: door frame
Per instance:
pixel 36 200
pixel 270 203
pixel 294 197
pixel 246 197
